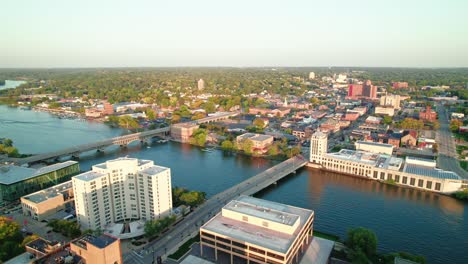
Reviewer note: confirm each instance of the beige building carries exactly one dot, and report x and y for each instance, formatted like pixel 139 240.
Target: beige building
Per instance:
pixel 201 84
pixel 119 190
pixel 260 142
pixel 411 172
pixel 391 100
pixel 375 147
pixel 258 231
pixel 103 249
pixel 183 131
pixel 45 203
pixel 381 110
pixel 318 146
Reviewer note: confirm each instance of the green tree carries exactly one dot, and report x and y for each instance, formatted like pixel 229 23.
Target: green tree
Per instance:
pixel 209 107
pixel 227 145
pixel 198 137
pixel 247 146
pixel 10 239
pixel 455 125
pixel 150 114
pixel 362 243
pixel 128 122
pixel 387 120
pixel 259 123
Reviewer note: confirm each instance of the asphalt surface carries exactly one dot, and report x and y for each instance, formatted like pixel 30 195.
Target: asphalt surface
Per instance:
pixel 448 156
pixel 190 225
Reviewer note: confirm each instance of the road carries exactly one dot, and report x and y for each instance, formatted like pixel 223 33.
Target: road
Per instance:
pixel 448 156
pixel 189 226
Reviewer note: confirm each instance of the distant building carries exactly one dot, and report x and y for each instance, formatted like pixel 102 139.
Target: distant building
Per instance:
pixel 428 115
pixel 351 116
pixel 318 146
pixel 390 100
pixel 380 110
pixel 280 112
pixel 122 189
pixel 400 85
pixel 311 75
pixel 47 202
pixel 183 131
pixel 19 181
pixel 201 84
pixel 365 91
pixel 258 231
pixel 108 108
pixel 409 138
pixel 457 115
pixel 260 142
pixel 373 120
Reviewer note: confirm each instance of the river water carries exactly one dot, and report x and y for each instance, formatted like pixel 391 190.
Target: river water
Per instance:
pixel 428 224
pixel 11 84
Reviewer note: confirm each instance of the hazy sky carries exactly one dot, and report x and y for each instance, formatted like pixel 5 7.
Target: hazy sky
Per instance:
pixel 118 33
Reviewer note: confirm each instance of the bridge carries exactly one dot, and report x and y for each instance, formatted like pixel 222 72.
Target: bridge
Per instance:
pixel 216 118
pixel 75 151
pixel 170 241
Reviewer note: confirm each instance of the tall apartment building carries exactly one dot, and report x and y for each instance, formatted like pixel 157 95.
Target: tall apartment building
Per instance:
pixel 122 189
pixel 366 90
pixel 318 146
pixel 201 84
pixel 390 100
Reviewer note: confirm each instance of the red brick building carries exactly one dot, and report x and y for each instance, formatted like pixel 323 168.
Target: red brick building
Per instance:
pixel 366 90
pixel 428 115
pixel 400 85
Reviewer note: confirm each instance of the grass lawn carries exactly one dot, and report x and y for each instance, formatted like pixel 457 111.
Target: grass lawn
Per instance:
pixel 184 248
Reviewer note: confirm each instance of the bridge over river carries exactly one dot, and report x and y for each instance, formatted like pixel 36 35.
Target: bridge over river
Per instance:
pixel 170 241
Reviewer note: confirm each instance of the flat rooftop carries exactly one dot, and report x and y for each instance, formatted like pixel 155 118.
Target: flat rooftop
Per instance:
pixel 253 234
pixel 139 162
pixel 368 158
pixel 44 195
pixel 42 245
pixel 255 137
pixel 186 125
pixel 154 170
pixel 430 172
pixel 12 174
pixel 375 144
pixel 89 176
pixel 101 241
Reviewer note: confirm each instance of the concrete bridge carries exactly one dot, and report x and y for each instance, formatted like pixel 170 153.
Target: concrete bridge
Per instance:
pixel 75 151
pixel 170 241
pixel 216 118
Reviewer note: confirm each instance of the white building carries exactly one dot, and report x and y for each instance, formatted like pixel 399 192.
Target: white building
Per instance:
pixel 318 146
pixel 201 84
pixel 390 100
pixel 122 189
pixel 380 110
pixel 411 172
pixel 311 75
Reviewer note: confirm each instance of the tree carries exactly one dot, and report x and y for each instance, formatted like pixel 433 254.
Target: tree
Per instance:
pixel 362 243
pixel 128 122
pixel 227 145
pixel 198 137
pixel 259 123
pixel 209 107
pixel 10 239
pixel 273 150
pixel 455 125
pixel 247 146
pixel 198 115
pixel 150 114
pixel 387 120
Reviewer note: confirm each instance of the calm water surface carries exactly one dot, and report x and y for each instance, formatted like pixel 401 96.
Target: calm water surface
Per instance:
pixel 422 223
pixel 11 84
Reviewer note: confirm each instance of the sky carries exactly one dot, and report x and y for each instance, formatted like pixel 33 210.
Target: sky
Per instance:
pixel 239 33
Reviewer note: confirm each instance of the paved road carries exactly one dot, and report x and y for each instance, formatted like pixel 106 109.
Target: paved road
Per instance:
pixel 448 156
pixel 191 224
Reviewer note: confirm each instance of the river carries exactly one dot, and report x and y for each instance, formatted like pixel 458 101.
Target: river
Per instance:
pixel 11 84
pixel 409 220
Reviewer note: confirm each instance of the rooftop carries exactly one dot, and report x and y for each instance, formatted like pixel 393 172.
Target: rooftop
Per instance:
pixel 154 170
pixel 89 176
pixel 430 172
pixel 12 174
pixel 42 245
pixel 48 193
pixel 369 158
pixel 375 144
pixel 253 234
pixel 255 137
pixel 101 241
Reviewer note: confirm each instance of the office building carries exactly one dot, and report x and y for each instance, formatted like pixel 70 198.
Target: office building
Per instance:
pixel 258 231
pixel 362 91
pixel 260 143
pixel 428 115
pixel 400 85
pixel 183 131
pixel 18 181
pixel 201 84
pixel 45 203
pixel 390 100
pixel 380 110
pixel 122 189
pixel 411 172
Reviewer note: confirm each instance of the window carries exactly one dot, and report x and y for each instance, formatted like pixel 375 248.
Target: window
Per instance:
pixel 405 180
pixel 245 218
pixel 265 223
pixel 420 183
pixel 397 178
pixel 437 186
pixel 412 181
pixel 382 175
pixel 429 185
pixel 375 174
pixel 390 177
